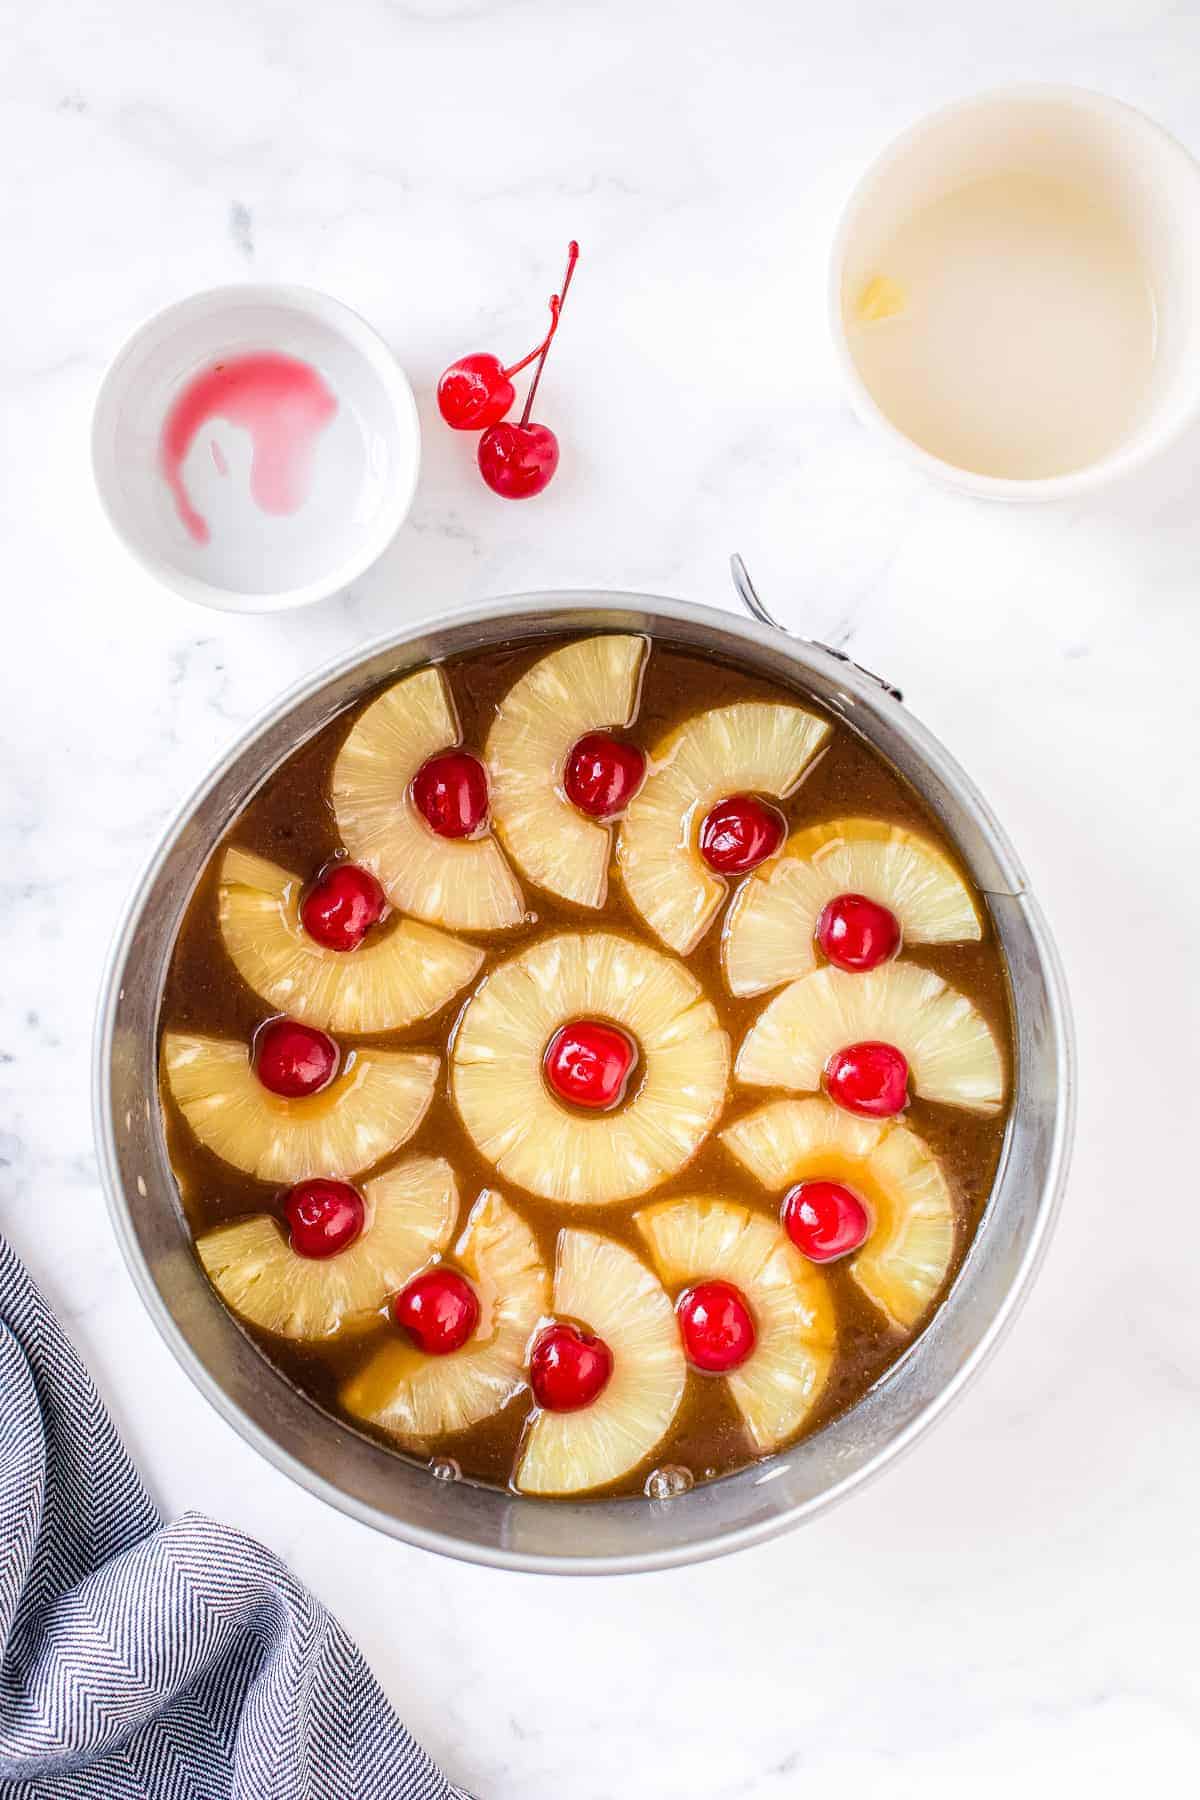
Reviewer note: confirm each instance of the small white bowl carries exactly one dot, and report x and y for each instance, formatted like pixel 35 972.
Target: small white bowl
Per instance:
pixel 1093 140
pixel 363 470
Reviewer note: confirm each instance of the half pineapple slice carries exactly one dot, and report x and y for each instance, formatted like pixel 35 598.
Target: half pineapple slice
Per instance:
pixel 542 1144
pixel 750 747
pixel 586 686
pixel 701 1239
pixel 951 1053
pixel 770 934
pixel 612 1293
pixel 369 1110
pixel 902 1267
pixel 410 1214
pixel 408 973
pixel 462 883
pixel 422 1398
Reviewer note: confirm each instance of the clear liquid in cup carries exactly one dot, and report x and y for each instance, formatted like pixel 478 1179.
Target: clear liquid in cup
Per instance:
pixel 1009 327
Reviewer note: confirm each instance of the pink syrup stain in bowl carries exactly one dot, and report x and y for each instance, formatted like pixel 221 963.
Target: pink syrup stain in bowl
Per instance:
pixel 238 405
pixel 281 401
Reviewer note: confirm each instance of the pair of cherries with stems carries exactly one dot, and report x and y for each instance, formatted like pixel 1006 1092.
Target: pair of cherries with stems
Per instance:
pixel 516 460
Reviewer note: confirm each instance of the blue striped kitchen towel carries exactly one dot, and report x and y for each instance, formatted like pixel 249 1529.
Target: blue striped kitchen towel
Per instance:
pixel 144 1661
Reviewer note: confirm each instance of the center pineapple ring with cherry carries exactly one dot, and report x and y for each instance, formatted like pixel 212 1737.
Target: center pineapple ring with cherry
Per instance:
pixel 528 1047
pixel 588 1068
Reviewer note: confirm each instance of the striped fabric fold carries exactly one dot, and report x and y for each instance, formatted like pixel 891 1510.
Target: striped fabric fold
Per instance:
pixel 151 1661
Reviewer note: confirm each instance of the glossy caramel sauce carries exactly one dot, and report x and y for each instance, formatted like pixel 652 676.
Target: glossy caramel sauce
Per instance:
pixel 290 821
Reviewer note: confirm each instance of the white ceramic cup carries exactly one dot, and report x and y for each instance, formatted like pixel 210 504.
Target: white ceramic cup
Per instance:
pixel 1085 138
pixel 364 463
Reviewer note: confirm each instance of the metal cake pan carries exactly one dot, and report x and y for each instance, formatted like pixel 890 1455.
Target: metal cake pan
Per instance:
pixel 477 1524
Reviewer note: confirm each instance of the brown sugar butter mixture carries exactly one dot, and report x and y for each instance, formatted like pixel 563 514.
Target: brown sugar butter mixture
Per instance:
pixel 290 821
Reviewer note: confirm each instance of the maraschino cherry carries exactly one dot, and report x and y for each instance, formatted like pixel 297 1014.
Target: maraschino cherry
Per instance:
pixel 717 1326
pixel 294 1060
pixel 323 1217
pixel 739 833
pixel 439 1311
pixel 870 1079
pixel 341 906
pixel 477 391
pixel 602 775
pixel 589 1063
pixel 858 934
pixel 568 1368
pixel 824 1219
pixel 451 793
pixel 519 460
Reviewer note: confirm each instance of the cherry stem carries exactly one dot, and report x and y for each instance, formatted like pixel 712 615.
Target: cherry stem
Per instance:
pixel 538 349
pixel 572 259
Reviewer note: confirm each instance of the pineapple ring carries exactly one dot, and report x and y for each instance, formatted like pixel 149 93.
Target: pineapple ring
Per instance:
pixel 531 1137
pixel 408 974
pixel 903 1264
pixel 369 1110
pixel 463 883
pixel 587 686
pixel 410 1214
pixel 698 1239
pixel 949 1047
pixel 770 934
pixel 613 1293
pixel 419 1397
pixel 751 747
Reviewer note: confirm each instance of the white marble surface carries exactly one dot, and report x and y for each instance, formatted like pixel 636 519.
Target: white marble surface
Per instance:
pixel 1017 1601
